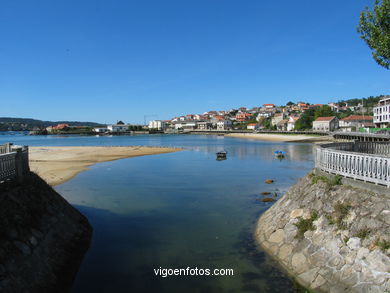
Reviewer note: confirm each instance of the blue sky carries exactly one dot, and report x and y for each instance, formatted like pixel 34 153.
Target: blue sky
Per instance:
pixel 106 60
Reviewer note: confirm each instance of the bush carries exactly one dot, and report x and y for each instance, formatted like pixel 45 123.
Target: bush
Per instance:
pixel 341 211
pixel 304 225
pixel 384 245
pixel 362 233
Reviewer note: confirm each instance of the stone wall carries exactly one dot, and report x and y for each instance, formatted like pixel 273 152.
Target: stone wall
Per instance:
pixel 42 238
pixel 330 237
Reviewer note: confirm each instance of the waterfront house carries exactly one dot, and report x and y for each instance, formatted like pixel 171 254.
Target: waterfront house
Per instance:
pixel 204 125
pixel 224 125
pixel 326 123
pixel 354 122
pixel 185 125
pixel 291 122
pixel 253 126
pixel 157 124
pixel 120 126
pixel 282 125
pixel 100 129
pixel 60 126
pixel 382 113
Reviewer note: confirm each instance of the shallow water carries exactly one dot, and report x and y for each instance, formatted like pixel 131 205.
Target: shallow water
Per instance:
pixel 179 210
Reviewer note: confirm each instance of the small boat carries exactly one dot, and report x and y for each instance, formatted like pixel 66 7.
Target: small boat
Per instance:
pixel 280 154
pixel 221 155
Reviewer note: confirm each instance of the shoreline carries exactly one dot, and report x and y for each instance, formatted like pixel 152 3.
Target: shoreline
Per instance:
pixel 57 165
pixel 281 137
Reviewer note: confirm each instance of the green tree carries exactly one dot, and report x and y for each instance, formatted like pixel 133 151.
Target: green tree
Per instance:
pixel 305 121
pixel 374 29
pixel 290 103
pixel 323 111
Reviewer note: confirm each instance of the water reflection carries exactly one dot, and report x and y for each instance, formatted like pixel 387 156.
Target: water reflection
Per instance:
pixel 178 210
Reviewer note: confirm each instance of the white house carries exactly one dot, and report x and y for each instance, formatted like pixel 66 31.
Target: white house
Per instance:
pixel 157 124
pixel 224 125
pixel 277 118
pixel 382 112
pixel 252 126
pixel 100 129
pixel 189 125
pixel 326 123
pixel 291 122
pixel 354 122
pixel 118 127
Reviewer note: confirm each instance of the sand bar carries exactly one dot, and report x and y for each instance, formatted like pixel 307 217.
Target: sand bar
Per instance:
pixel 59 164
pixel 280 137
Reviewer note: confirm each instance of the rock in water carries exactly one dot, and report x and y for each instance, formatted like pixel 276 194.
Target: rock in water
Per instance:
pixel 269 181
pixel 267 199
pixel 265 193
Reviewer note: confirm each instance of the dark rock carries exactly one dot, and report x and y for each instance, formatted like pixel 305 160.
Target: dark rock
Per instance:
pixel 265 193
pixel 42 238
pixel 267 199
pixel 269 181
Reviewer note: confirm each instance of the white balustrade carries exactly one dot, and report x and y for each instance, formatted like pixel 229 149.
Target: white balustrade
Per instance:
pixel 367 161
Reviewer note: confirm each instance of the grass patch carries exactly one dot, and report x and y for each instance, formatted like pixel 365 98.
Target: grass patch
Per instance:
pixel 362 233
pixel 304 225
pixel 330 182
pixel 341 211
pixel 384 245
pixel 330 219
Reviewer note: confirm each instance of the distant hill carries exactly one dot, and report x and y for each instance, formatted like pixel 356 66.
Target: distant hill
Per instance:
pixel 368 102
pixel 20 124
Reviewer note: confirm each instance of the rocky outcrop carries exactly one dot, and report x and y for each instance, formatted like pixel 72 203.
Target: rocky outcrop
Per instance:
pixel 330 237
pixel 42 238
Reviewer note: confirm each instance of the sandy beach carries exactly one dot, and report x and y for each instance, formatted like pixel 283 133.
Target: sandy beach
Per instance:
pixel 59 164
pixel 280 137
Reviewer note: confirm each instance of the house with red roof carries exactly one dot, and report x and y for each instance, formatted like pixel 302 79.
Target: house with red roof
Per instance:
pixel 243 116
pixel 326 123
pixel 253 126
pixel 269 106
pixel 354 122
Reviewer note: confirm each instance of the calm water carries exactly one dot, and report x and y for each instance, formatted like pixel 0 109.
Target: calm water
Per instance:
pixel 178 210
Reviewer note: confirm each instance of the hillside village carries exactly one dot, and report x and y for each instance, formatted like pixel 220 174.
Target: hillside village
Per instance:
pixel 368 115
pixel 290 117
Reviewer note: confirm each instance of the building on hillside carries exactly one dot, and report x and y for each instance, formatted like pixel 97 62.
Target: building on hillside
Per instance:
pixel 263 114
pixel 282 125
pixel 120 126
pixel 224 125
pixel 326 123
pixel 268 106
pixel 277 118
pixel 157 124
pixel 382 113
pixel 291 122
pixel 354 122
pixel 241 117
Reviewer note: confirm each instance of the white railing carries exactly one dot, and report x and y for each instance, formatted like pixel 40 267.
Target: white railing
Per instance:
pixel 13 161
pixel 365 161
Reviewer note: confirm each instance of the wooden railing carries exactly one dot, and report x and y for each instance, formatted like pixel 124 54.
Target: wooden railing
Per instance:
pixel 13 162
pixel 367 161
